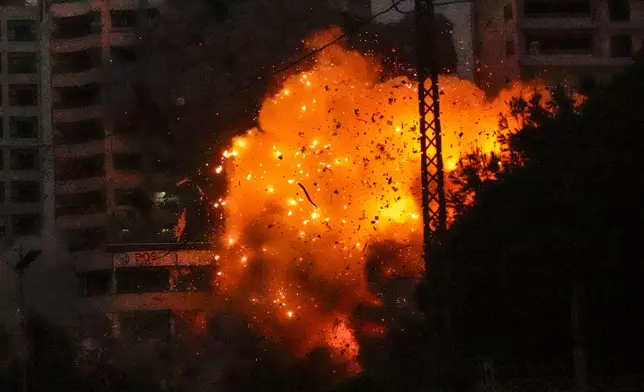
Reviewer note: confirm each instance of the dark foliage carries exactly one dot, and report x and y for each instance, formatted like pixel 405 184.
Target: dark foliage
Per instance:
pixel 571 210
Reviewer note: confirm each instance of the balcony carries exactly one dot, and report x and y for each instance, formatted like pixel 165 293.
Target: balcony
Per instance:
pixel 75 44
pixel 148 302
pixel 67 8
pixel 121 38
pixel 79 114
pixel 123 4
pixel 78 78
pixel 82 221
pixel 573 60
pixel 80 186
pixel 555 22
pixel 78 150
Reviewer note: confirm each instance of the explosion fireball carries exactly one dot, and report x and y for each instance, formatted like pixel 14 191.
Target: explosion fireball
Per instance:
pixel 331 170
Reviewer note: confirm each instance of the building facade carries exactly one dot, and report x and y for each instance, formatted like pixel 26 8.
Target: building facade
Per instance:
pixel 575 42
pixel 116 204
pixel 81 183
pixel 26 154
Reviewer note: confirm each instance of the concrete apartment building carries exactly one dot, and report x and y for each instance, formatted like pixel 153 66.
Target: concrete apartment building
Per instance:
pixel 26 154
pixel 82 185
pixel 576 42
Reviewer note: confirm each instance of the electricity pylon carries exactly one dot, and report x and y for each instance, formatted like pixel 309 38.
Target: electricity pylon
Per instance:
pixel 434 290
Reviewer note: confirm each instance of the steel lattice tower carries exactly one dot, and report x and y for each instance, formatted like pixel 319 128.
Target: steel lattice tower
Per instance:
pixel 434 290
pixel 433 177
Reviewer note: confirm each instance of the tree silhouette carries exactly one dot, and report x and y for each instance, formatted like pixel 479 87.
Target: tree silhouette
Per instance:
pixel 564 215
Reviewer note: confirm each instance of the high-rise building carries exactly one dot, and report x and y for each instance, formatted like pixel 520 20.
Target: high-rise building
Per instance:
pixel 81 181
pixel 577 42
pixel 26 150
pixel 116 202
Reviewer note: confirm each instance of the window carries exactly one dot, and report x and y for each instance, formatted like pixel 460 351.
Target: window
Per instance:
pixel 21 30
pixel 619 10
pixel 149 325
pixel 80 203
pixel 23 127
pixel 86 239
pixel 132 197
pixel 621 46
pixel 24 159
pixel 79 131
pixel 142 280
pixel 191 279
pixel 77 96
pixel 22 62
pixel 80 168
pixel 97 283
pixel 1 192
pixel 1 125
pixel 1 159
pixel 152 13
pixel 127 161
pixel 25 225
pixel 76 61
pixel 123 54
pixel 510 48
pixel 559 44
pixel 23 95
pixel 76 26
pixel 123 18
pixel 507 12
pixel 25 191
pixel 539 8
pixel 160 164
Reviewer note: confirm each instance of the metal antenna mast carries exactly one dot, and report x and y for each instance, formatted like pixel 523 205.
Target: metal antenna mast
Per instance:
pixel 433 291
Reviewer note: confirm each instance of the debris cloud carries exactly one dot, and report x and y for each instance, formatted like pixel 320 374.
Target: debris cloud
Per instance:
pixel 328 180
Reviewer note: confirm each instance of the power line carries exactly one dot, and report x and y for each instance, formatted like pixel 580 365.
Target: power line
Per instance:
pixel 393 3
pixel 435 5
pixel 393 6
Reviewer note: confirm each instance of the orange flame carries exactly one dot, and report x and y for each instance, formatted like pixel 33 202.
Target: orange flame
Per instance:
pixel 333 168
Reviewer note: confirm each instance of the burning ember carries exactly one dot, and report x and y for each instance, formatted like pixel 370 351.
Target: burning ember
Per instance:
pixel 332 170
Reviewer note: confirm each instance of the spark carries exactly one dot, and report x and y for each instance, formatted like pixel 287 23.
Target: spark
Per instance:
pixel 354 157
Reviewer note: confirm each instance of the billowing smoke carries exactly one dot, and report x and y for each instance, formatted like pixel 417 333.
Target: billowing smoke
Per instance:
pixel 204 67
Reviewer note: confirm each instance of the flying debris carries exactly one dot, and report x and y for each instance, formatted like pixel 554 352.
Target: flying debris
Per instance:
pixel 307 255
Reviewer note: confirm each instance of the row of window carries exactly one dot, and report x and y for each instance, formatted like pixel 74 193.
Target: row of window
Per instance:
pixel 21 192
pixel 621 46
pixel 95 201
pixel 95 238
pixel 87 24
pixel 21 30
pixel 20 127
pixel 21 159
pixel 94 166
pixel 146 325
pixel 90 58
pixel 148 280
pixel 618 10
pixel 22 95
pixel 20 225
pixel 86 131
